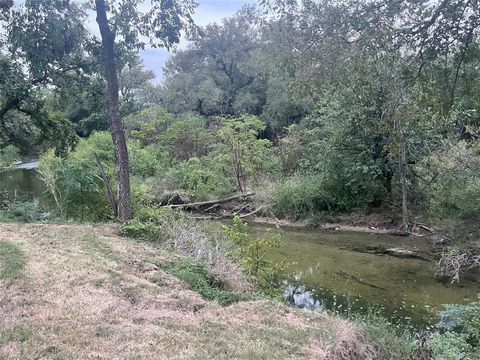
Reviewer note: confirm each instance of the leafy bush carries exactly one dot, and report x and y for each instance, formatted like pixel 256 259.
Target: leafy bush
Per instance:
pixel 301 196
pixel 242 154
pixel 147 230
pixel 143 161
pixel 453 189
pixel 25 211
pixel 203 178
pixel 8 156
pixel 74 186
pixel 463 319
pixel 197 275
pixel 459 333
pixel 147 125
pixel 449 346
pixel 188 137
pixel 253 255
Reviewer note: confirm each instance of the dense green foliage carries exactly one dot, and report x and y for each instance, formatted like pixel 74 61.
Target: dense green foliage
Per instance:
pixel 360 117
pixel 8 156
pixel 74 186
pixel 253 254
pixel 459 333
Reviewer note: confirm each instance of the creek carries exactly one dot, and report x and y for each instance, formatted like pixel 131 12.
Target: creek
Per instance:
pixel 325 271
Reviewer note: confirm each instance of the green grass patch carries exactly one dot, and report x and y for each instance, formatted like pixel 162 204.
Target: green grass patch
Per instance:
pixel 17 333
pixel 12 261
pixel 210 286
pixel 391 342
pixel 92 243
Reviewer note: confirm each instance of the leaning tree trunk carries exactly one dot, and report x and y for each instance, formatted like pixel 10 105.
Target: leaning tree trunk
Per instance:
pixel 113 114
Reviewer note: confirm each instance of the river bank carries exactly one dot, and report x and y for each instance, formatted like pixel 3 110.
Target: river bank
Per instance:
pixel 80 291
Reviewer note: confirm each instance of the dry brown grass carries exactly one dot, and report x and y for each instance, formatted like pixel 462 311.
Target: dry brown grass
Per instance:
pixel 86 293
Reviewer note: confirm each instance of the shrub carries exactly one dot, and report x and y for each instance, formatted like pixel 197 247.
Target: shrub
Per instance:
pixel 200 177
pixel 458 335
pixel 449 346
pixel 301 196
pixel 25 211
pixel 253 255
pixel 462 319
pixel 74 185
pixel 242 154
pixel 8 156
pixel 143 161
pixel 147 230
pixel 453 189
pixel 147 125
pixel 188 137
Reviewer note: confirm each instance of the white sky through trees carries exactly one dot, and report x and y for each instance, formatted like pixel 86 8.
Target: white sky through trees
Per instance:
pixel 208 11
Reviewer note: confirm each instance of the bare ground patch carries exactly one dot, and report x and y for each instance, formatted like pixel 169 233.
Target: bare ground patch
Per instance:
pixel 86 293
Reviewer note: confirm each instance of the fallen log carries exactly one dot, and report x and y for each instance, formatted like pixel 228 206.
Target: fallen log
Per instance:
pixel 200 204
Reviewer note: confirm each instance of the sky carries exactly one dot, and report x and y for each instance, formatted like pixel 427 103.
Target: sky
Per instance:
pixel 208 11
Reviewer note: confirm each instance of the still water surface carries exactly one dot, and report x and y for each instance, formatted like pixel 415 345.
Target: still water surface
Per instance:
pixel 326 272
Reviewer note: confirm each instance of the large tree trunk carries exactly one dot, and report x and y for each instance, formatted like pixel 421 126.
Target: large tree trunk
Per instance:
pixel 113 114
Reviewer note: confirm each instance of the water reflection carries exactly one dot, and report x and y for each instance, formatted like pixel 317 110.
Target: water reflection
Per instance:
pixel 326 272
pixel 298 296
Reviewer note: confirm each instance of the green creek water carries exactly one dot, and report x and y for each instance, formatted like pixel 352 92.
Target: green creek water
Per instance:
pixel 326 271
pixel 330 274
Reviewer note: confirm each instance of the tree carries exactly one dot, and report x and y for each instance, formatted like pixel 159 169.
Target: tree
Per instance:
pixel 163 23
pixel 244 153
pixel 217 74
pixel 124 210
pixel 43 47
pixel 137 89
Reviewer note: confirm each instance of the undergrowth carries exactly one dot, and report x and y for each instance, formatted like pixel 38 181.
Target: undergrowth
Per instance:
pixel 201 280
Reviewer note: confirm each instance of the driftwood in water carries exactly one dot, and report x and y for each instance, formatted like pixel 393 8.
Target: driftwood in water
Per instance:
pixel 201 204
pixel 395 251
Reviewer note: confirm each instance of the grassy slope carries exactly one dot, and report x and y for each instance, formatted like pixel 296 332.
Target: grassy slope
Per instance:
pixel 81 292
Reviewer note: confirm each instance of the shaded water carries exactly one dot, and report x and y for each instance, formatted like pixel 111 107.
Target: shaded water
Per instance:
pixel 328 273
pixel 21 182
